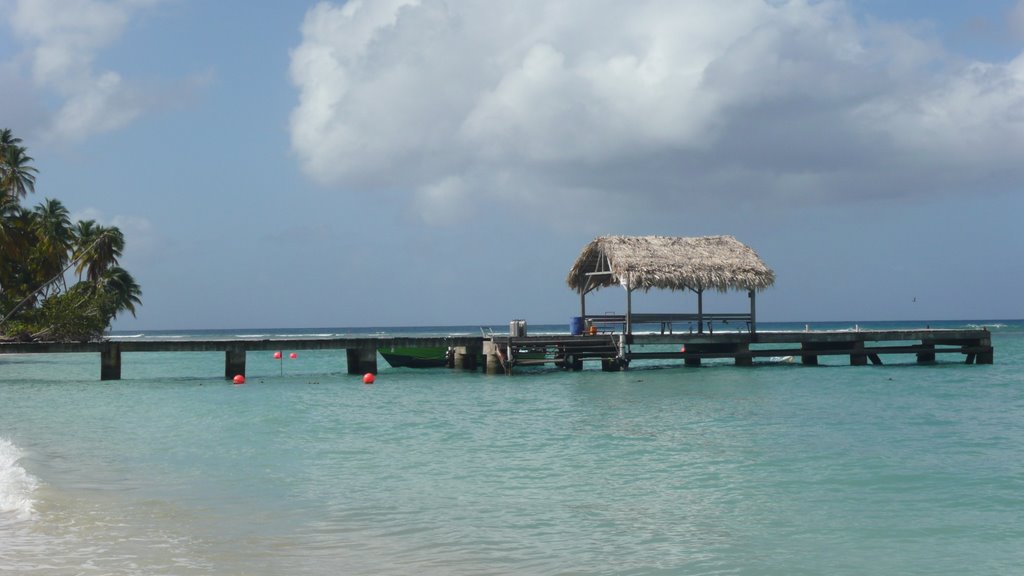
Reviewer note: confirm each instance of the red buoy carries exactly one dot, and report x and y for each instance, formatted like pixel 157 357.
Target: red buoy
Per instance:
pixel 293 355
pixel 238 379
pixel 682 348
pixel 368 378
pixel 277 355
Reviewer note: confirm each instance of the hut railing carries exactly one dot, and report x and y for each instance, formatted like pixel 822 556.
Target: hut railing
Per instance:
pixel 667 322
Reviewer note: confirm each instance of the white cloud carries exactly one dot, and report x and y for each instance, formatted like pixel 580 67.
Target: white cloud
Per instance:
pixel 699 102
pixel 62 39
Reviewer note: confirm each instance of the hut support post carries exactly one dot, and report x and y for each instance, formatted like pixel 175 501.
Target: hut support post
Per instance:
pixel 629 303
pixel 583 304
pixel 753 312
pixel 700 311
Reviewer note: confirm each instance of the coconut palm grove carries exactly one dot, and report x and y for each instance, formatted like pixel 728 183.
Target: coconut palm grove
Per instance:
pixel 59 280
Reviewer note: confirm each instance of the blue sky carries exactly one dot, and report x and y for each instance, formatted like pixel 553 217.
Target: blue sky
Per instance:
pixel 402 162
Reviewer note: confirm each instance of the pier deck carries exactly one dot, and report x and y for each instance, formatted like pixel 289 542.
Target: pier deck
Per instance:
pixel 862 346
pixel 361 352
pixel 502 353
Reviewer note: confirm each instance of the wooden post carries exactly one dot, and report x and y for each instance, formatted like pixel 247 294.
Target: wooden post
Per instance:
pixel 753 311
pixel 110 361
pixel 466 358
pixel 858 357
pixel 510 358
pixel 583 306
pixel 234 362
pixel 492 361
pixel 700 312
pixel 926 357
pixel 988 356
pixel 743 360
pixel 806 358
pixel 691 357
pixel 361 360
pixel 629 302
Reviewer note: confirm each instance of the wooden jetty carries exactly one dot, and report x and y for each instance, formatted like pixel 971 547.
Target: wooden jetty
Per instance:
pixel 503 354
pixel 617 351
pixel 361 352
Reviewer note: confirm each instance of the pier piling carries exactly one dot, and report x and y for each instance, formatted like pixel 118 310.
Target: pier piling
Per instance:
pixel 858 357
pixel 492 360
pixel 927 356
pixel 110 361
pixel 466 357
pixel 234 362
pixel 361 360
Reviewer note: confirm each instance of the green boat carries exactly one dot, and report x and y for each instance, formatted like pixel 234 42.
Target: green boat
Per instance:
pixel 418 357
pixel 430 356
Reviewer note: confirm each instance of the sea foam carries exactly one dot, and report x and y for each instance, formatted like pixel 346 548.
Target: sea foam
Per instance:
pixel 16 485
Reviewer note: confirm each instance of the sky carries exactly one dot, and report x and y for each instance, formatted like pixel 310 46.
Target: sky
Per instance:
pixel 444 162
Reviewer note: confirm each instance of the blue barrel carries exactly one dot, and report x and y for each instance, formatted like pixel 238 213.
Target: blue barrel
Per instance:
pixel 576 325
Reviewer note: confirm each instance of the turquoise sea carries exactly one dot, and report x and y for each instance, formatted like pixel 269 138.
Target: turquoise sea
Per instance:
pixel 776 469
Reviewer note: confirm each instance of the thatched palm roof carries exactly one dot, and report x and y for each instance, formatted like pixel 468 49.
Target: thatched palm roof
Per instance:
pixel 670 262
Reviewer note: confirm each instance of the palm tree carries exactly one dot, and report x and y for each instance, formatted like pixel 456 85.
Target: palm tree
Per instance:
pixel 7 138
pixel 54 236
pixel 17 177
pixel 86 234
pixel 16 275
pixel 123 288
pixel 9 205
pixel 8 202
pixel 109 247
pixel 97 248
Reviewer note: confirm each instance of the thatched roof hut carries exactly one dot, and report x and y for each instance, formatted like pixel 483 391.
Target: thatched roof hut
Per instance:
pixel 697 264
pixel 669 262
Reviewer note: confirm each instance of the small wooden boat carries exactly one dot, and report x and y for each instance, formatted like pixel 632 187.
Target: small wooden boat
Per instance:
pixel 426 357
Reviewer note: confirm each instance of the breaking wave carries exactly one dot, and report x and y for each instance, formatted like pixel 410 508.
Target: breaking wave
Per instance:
pixel 17 486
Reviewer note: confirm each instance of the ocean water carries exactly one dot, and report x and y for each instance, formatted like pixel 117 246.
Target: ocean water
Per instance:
pixel 776 469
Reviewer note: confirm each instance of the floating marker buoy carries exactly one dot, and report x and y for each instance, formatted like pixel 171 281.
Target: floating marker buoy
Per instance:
pixel 293 355
pixel 238 379
pixel 368 378
pixel 277 355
